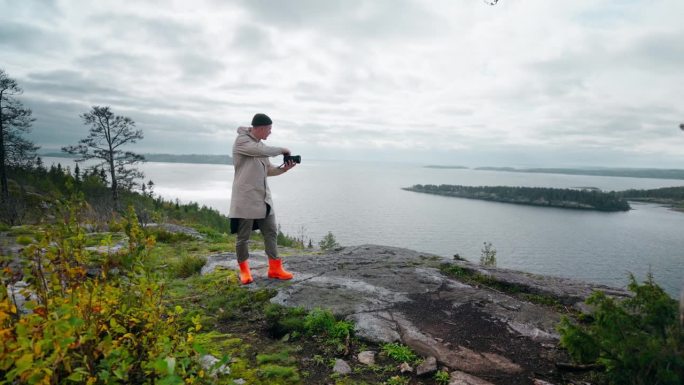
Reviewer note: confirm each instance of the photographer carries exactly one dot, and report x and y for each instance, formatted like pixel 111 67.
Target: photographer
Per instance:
pixel 251 206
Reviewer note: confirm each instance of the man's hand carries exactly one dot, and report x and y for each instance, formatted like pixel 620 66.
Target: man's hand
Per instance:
pixel 288 165
pixel 286 151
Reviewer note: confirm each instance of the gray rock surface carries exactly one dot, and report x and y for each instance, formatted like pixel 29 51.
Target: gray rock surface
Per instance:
pixel 367 357
pixel 399 295
pixel 428 366
pixel 208 363
pixel 257 262
pixel 341 367
pixel 460 378
pixel 20 293
pixel 106 250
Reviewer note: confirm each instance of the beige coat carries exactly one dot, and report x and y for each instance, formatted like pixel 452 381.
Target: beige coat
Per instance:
pixel 250 188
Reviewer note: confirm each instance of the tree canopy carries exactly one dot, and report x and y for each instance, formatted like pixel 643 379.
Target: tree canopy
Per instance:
pixel 15 120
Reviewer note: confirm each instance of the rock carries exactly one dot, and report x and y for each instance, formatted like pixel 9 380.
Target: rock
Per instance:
pixel 405 368
pixel 239 381
pixel 341 367
pixel 173 228
pixel 229 261
pixel 20 292
pixel 208 362
pixel 532 332
pixel 108 250
pixel 427 367
pixel 367 357
pixel 460 378
pixel 458 357
pixel 541 382
pixel 375 327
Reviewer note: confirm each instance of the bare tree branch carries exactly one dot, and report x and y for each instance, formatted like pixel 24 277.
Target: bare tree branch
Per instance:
pixel 109 132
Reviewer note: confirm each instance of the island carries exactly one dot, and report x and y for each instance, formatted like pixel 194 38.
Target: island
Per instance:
pixel 584 199
pixel 447 167
pixel 669 196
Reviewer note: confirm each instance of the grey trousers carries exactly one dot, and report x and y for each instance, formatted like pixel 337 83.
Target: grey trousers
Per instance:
pixel 268 229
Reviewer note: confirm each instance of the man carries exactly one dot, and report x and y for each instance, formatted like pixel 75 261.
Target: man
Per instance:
pixel 251 206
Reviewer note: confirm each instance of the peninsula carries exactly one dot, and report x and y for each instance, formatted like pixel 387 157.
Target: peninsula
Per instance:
pixel 535 196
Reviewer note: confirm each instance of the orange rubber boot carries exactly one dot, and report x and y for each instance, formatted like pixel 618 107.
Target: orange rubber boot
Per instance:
pixel 275 270
pixel 245 274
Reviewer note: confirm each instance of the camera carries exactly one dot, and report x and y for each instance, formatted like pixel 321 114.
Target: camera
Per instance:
pixel 292 158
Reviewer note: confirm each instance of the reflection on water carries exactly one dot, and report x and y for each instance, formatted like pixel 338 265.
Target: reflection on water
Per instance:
pixel 363 203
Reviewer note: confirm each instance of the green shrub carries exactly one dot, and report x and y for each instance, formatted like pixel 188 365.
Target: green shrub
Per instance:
pixel 638 341
pixel 102 331
pixel 188 265
pixel 319 321
pixel 442 377
pixel 488 255
pixel 24 240
pixel 281 320
pixel 399 352
pixel 328 242
pixel 341 330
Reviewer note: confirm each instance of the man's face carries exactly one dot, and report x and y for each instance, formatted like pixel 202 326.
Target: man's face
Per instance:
pixel 262 132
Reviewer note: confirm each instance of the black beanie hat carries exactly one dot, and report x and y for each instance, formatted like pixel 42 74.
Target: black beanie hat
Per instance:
pixel 261 120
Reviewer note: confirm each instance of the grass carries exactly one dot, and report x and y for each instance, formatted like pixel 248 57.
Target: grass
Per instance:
pixel 24 240
pixel 399 353
pixel 283 357
pixel 21 230
pixel 397 380
pixel 188 265
pixel 274 372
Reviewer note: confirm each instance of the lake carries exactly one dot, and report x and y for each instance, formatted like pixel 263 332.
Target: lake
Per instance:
pixel 362 202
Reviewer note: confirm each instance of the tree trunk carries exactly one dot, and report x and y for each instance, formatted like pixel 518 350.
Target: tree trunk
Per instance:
pixel 115 188
pixel 4 196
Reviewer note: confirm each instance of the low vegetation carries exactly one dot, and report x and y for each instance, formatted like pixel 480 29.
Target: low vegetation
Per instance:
pixel 637 341
pixel 488 255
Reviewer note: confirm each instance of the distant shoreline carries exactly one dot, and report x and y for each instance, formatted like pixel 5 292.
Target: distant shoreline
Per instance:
pixel 167 158
pixel 654 173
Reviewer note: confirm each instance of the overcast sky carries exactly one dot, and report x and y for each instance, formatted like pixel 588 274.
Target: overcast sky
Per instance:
pixel 522 83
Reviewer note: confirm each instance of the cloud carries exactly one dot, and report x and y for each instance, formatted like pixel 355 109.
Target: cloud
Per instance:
pixel 375 79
